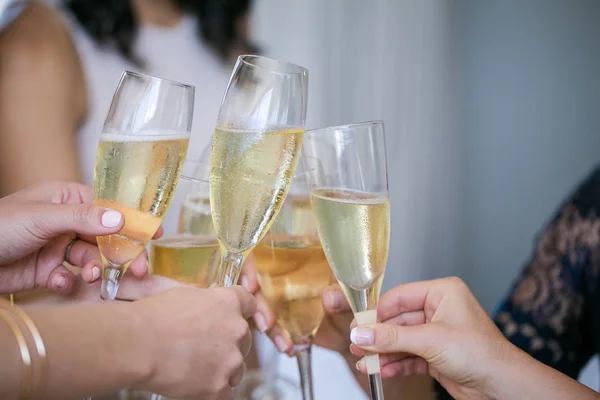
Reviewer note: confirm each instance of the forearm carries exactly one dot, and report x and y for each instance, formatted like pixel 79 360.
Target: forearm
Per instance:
pixel 91 349
pixel 520 376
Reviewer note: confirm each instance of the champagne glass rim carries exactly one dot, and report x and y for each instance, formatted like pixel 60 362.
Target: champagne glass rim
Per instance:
pixel 347 126
pixel 157 78
pixel 285 67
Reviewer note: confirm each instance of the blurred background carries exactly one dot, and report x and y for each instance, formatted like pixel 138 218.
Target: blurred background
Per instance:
pixel 491 113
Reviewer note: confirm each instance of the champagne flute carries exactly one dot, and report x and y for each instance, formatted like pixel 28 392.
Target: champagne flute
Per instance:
pixel 349 194
pixel 293 272
pixel 189 250
pixel 255 150
pixel 138 164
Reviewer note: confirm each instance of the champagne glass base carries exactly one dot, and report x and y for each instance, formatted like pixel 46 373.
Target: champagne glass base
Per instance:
pixel 257 385
pixel 110 283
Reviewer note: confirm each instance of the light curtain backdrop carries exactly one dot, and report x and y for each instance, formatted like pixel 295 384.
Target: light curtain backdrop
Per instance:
pixel 491 112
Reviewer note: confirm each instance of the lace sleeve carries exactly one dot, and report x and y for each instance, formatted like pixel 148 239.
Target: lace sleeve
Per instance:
pixel 547 313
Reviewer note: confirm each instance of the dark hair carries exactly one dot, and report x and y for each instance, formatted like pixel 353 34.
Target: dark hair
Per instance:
pixel 112 23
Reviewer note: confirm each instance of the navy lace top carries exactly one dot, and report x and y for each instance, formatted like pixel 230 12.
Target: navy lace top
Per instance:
pixel 553 310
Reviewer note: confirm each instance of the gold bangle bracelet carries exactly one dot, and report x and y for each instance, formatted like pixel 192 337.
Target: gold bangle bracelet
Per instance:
pixel 39 346
pixel 23 348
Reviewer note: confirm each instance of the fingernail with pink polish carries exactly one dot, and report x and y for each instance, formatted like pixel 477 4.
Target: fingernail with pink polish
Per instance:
pixel 261 323
pixel 334 300
pixel 111 218
pixel 362 336
pixel 281 344
pixel 95 273
pixel 60 281
pixel 245 283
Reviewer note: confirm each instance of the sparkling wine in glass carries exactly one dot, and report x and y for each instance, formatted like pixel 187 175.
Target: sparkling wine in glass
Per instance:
pixel 349 195
pixel 138 164
pixel 255 149
pixel 293 272
pixel 189 250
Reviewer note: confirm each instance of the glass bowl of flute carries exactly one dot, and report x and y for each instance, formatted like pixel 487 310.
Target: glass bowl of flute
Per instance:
pixel 188 251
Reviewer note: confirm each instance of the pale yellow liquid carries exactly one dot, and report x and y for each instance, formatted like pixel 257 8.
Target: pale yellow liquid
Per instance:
pixel 293 272
pixel 189 259
pixel 136 175
pixel 195 217
pixel 296 216
pixel 250 174
pixel 354 228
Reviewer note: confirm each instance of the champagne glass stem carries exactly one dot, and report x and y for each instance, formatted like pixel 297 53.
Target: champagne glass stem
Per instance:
pixel 111 277
pixel 376 386
pixel 304 366
pixel 11 299
pixel 231 266
pixel 367 301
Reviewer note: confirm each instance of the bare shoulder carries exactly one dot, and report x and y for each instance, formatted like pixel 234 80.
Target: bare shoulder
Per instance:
pixel 38 58
pixel 39 38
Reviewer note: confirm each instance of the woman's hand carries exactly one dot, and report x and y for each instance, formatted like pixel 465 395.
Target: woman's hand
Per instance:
pixel 39 223
pixel 438 327
pixel 435 327
pixel 197 340
pixel 334 332
pixel 182 343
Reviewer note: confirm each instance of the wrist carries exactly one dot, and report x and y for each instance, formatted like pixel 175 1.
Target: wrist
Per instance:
pixel 140 364
pixel 505 376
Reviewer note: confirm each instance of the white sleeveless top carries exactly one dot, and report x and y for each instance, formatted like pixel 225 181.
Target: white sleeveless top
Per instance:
pixel 172 53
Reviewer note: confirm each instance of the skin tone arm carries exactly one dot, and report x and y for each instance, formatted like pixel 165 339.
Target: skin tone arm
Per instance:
pixel 42 100
pixel 128 343
pixel 438 328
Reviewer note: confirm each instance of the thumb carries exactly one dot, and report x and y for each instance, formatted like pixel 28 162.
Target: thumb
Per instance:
pixel 421 340
pixel 50 220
